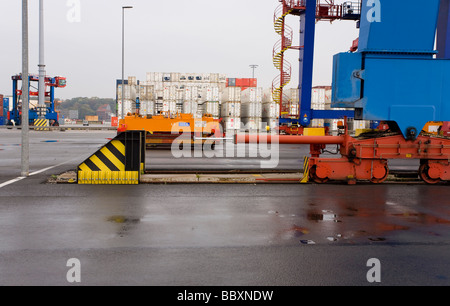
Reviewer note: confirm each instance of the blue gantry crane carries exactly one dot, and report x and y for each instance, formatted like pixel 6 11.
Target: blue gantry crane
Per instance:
pixel 49 112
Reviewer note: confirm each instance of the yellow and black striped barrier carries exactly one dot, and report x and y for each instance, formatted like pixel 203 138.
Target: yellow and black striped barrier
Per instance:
pixel 119 162
pixel 305 178
pixel 41 125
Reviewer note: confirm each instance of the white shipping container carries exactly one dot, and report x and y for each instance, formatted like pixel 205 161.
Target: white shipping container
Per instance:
pixel 180 94
pixel 190 107
pixel 214 78
pixel 271 110
pixel 231 109
pixel 175 76
pixel 143 108
pixel 210 93
pixel 231 94
pixel 267 96
pixel 158 76
pixel 206 77
pixel 222 78
pixel 147 108
pixel 251 109
pixel 252 95
pixel 167 77
pixel 151 77
pixel 130 92
pixel 195 93
pixel 170 93
pixel 132 80
pixel 146 92
pixel 129 107
pixel 231 123
pixel 212 108
pixel 169 106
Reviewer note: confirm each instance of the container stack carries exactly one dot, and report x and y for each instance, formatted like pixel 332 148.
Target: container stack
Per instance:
pixel 129 96
pixel 210 102
pixel 190 100
pixel 231 108
pixel 270 111
pixel 251 108
pixel 146 99
pixel 195 82
pixel 320 100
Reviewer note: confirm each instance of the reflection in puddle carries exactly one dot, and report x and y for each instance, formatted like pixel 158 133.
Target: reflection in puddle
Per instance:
pixel 307 242
pixel 126 222
pixel 325 215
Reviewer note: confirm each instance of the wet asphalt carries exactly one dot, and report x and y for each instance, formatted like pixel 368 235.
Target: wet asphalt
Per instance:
pixel 220 235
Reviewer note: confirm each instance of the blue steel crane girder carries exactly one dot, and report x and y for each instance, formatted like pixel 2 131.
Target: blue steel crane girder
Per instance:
pixel 394 76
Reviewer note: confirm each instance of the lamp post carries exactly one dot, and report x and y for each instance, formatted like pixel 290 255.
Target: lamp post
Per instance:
pixel 25 150
pixel 254 67
pixel 41 101
pixel 123 58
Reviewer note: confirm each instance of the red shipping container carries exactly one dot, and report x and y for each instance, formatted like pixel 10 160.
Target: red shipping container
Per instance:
pixel 238 82
pixel 245 83
pixel 114 121
pixel 253 83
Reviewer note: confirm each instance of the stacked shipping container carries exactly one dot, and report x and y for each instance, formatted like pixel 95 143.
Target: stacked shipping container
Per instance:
pixel 270 110
pixel 251 109
pixel 231 108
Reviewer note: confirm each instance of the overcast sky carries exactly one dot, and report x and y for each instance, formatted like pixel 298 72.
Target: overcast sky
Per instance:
pixel 161 36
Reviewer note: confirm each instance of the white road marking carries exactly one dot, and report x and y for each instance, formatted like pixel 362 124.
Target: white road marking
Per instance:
pixel 33 173
pixel 11 181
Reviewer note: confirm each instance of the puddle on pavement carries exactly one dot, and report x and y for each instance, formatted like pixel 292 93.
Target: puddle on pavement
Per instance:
pixel 307 242
pixel 422 218
pixel 325 215
pixel 126 223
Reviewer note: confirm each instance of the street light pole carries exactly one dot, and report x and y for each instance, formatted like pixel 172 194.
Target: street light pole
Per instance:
pixel 25 149
pixel 123 58
pixel 254 67
pixel 41 102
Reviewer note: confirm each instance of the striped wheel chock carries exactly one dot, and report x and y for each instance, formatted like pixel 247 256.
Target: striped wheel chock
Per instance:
pixel 41 125
pixel 119 162
pixel 305 178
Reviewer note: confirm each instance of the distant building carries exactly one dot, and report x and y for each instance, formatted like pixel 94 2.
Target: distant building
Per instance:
pixel 104 112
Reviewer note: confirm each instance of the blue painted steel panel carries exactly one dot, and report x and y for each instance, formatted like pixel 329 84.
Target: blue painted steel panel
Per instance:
pixel 398 26
pixel 410 92
pixel 307 39
pixel 333 114
pixel 346 87
pixel 2 121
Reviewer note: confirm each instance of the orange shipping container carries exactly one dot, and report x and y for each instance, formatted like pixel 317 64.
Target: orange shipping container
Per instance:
pixel 91 118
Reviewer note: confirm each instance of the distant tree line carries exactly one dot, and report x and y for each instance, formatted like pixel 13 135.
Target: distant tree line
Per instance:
pixel 86 106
